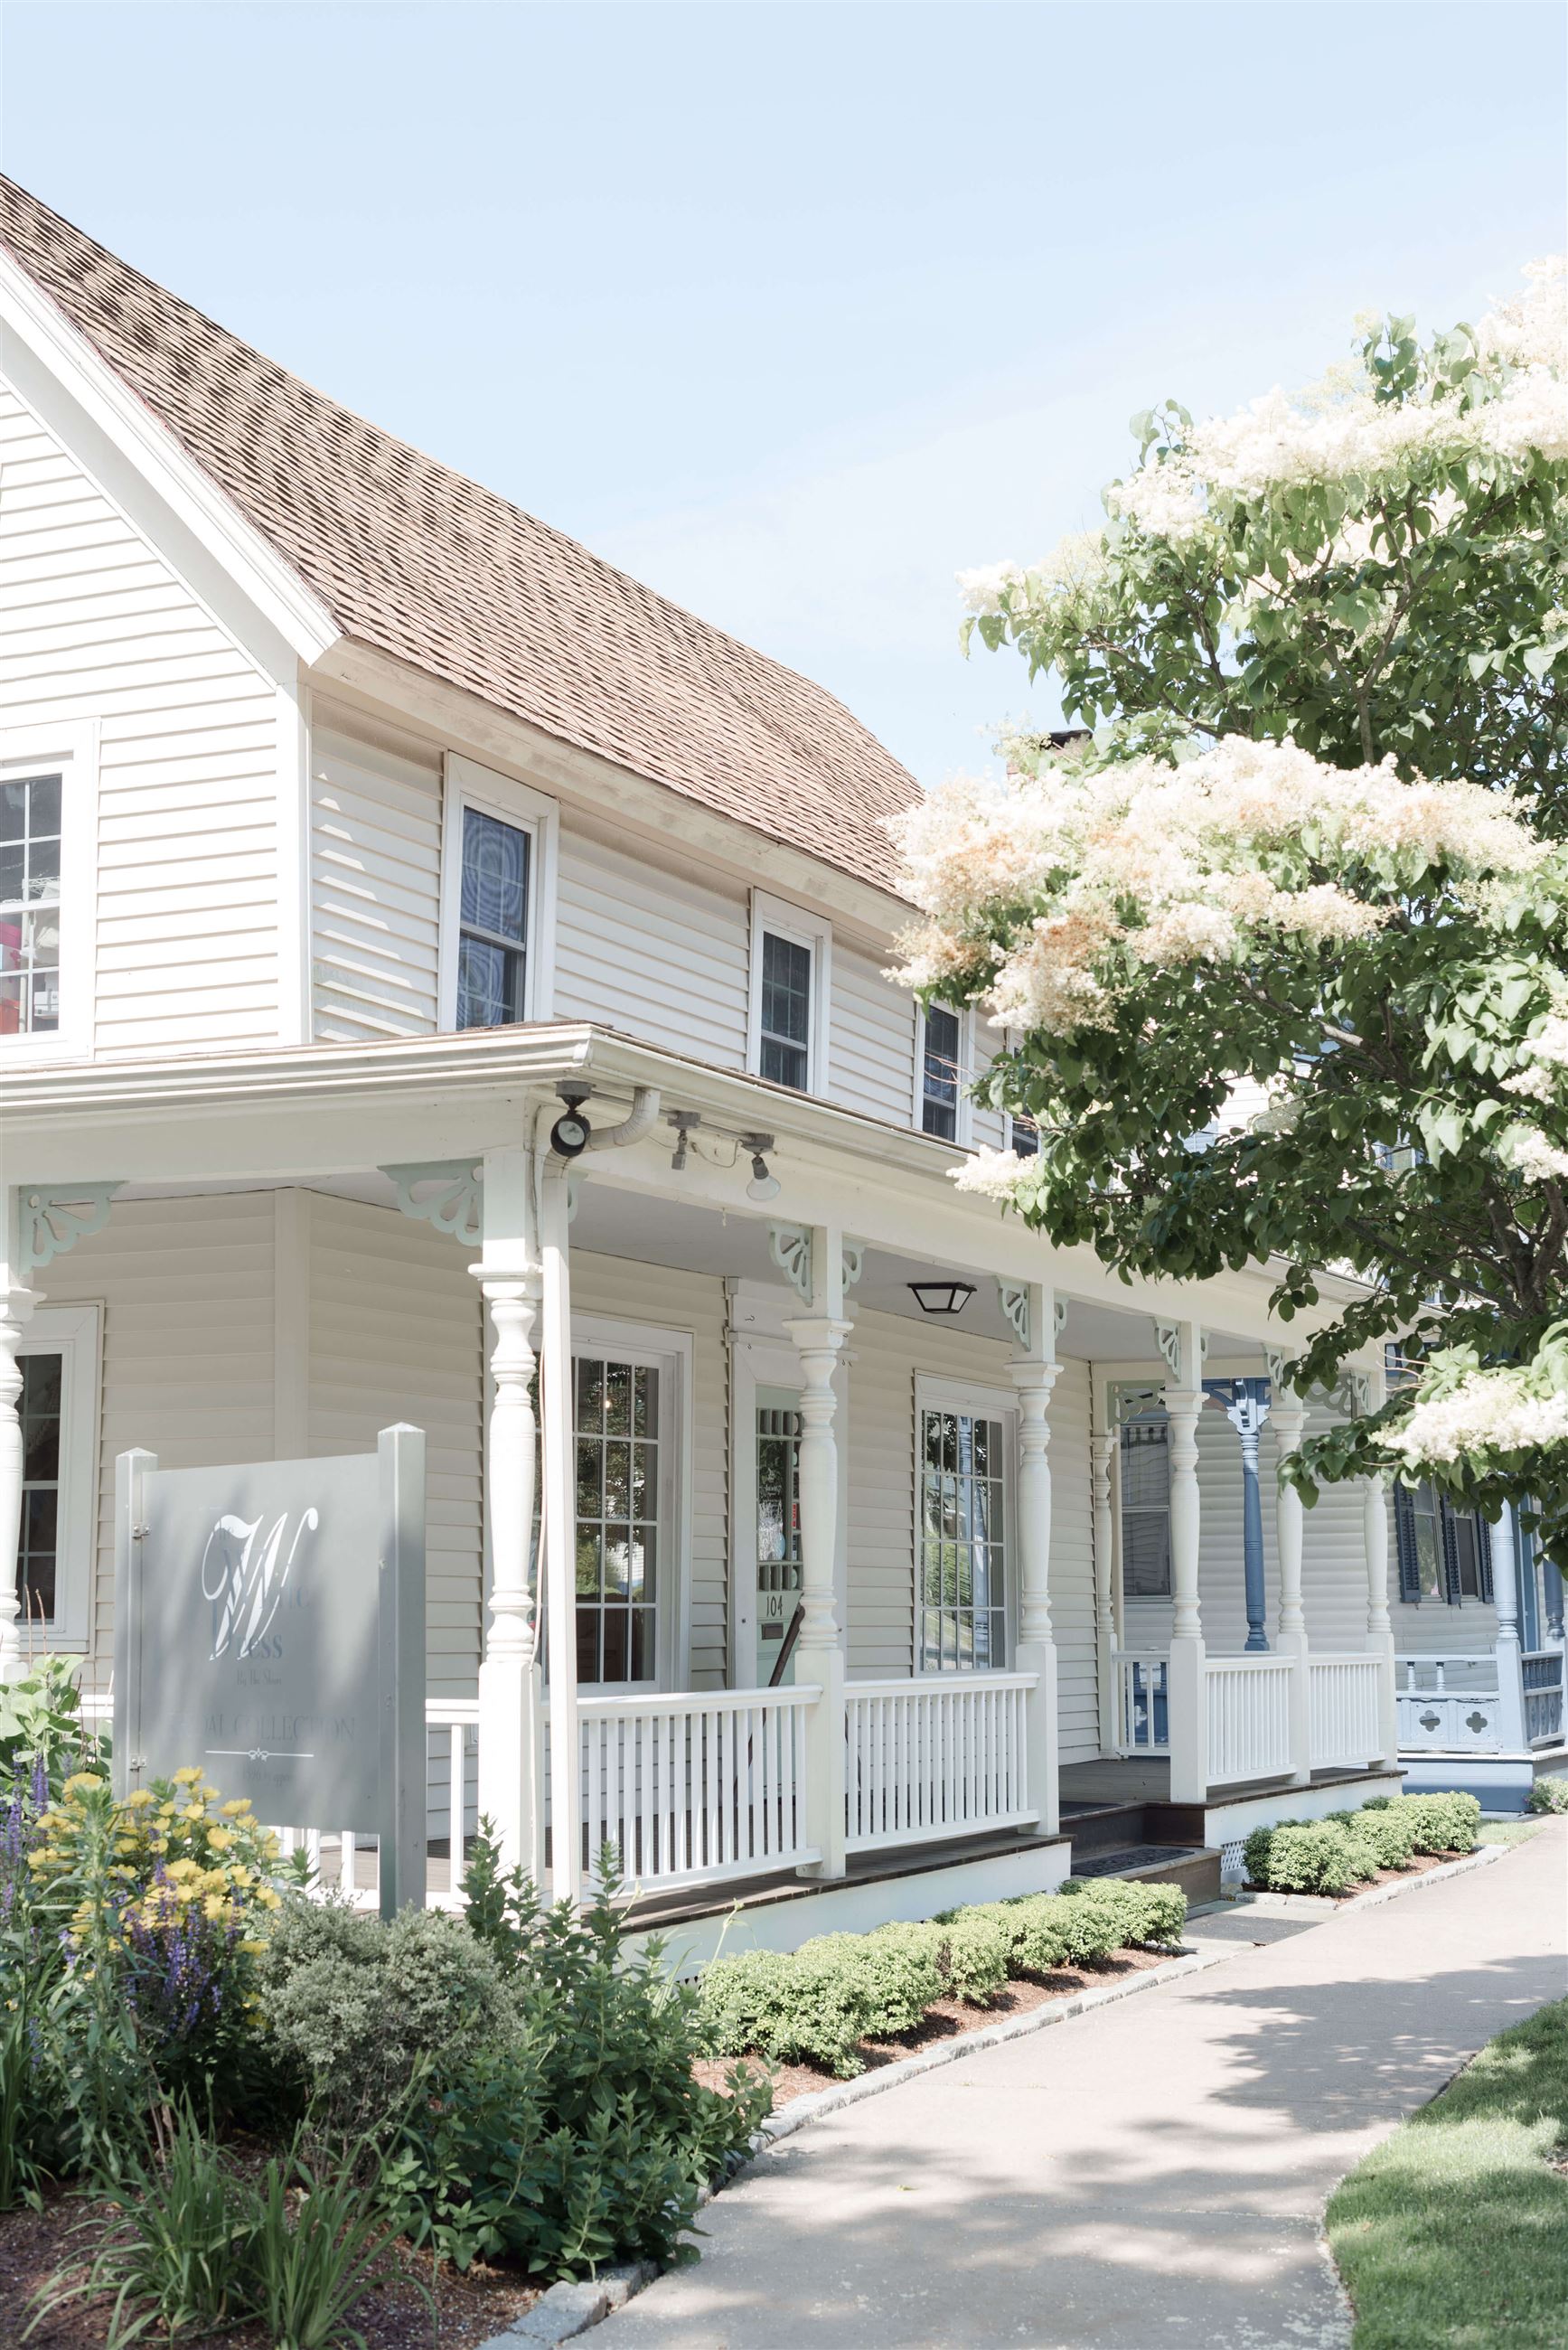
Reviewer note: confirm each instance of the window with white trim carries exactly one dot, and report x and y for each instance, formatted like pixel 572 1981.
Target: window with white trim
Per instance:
pixel 787 1019
pixel 1144 1436
pixel 1022 1136
pixel 964 1534
pixel 30 903
pixel 58 1359
pixel 941 1072
pixel 48 829
pixel 497 898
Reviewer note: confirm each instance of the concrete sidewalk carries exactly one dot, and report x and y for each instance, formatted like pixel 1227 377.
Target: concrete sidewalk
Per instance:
pixel 1154 2170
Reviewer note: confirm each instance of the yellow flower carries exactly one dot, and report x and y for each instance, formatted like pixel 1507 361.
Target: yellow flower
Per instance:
pixel 182 1868
pixel 269 1899
pixel 252 1949
pixel 137 1798
pixel 80 1782
pixel 240 1804
pixel 187 1776
pixel 220 1839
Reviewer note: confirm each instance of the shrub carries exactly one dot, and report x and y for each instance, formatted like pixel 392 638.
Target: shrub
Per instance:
pixel 972 1953
pixel 575 2133
pixel 1309 1856
pixel 353 2005
pixel 1145 1914
pixel 1548 1795
pixel 1390 1833
pixel 1442 1823
pixel 41 1723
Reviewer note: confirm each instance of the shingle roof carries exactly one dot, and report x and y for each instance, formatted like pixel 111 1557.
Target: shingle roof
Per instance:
pixel 424 564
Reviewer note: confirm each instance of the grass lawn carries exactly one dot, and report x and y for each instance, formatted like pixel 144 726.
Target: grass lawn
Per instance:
pixel 1509 1831
pixel 1453 2234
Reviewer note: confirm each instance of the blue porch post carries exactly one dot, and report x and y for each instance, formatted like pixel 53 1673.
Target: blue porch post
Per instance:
pixel 1245 1403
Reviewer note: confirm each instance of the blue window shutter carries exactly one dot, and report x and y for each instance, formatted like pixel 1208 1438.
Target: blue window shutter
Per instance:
pixel 1405 1543
pixel 1483 1556
pixel 1450 1553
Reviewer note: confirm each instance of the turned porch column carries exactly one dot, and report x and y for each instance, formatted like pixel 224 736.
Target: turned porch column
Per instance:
pixel 1287 1415
pixel 1103 1455
pixel 1186 1683
pixel 819 1650
pixel 510 1710
pixel 1508 1651
pixel 1034 1374
pixel 560 1538
pixel 1368 1391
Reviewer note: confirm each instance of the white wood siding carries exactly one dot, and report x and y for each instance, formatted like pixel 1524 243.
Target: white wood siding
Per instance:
pixel 395 1334
pixel 95 625
pixel 375 879
pixel 871 1042
pixel 650 949
pixel 186 1287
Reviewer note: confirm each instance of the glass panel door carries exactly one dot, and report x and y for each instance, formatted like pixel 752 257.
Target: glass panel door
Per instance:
pixel 963 1542
pixel 778 1532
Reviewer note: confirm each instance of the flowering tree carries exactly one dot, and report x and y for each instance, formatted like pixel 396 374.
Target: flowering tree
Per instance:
pixel 1281 944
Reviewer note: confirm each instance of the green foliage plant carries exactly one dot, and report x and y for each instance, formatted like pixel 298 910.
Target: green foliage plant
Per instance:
pixel 1548 1795
pixel 41 1721
pixel 1442 1823
pixel 1278 940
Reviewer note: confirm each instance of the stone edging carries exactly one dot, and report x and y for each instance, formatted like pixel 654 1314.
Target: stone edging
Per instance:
pixel 1323 1905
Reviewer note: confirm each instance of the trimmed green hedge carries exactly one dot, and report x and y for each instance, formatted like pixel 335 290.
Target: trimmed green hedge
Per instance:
pixel 1330 1855
pixel 815 2005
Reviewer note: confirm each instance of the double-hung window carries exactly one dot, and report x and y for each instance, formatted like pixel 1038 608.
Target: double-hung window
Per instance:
pixel 497 900
pixel 30 904
pixel 941 1072
pixel 47 852
pixel 1444 1553
pixel 1145 1466
pixel 787 1043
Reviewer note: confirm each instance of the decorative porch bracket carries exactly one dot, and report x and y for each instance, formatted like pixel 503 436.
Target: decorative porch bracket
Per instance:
pixel 50 1223
pixel 1014 1299
pixel 446 1192
pixel 789 1246
pixel 1245 1404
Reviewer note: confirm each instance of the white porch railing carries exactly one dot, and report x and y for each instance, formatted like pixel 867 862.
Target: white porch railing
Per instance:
pixel 1343 1696
pixel 1249 1718
pixel 695 1787
pixel 936 1757
pixel 1143 1724
pixel 1542 1669
pixel 1448 1703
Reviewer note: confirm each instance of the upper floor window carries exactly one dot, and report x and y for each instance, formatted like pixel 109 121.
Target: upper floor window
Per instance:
pixel 1023 1137
pixel 497 898
pixel 493 938
pixel 47 843
pixel 940 1075
pixel 787 1039
pixel 30 904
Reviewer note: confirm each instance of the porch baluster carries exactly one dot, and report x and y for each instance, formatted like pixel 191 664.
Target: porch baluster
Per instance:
pixel 1034 1375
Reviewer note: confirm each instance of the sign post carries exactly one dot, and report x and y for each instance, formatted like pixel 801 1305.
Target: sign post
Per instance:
pixel 270 1629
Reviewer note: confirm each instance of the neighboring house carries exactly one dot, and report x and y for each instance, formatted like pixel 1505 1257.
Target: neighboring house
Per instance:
pixel 364 843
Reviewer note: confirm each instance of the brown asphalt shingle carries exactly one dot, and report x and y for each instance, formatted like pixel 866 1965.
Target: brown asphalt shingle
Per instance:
pixel 424 564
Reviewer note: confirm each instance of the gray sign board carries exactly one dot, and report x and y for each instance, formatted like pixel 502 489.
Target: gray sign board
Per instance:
pixel 269 1630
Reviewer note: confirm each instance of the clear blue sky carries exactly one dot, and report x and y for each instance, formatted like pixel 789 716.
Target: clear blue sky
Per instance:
pixel 795 310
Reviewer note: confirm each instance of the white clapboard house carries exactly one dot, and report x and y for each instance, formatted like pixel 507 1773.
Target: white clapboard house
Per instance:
pixel 365 846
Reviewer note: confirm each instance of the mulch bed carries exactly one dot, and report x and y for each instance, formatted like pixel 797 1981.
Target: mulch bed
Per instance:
pixel 949 2019
pixel 392 2315
pixel 1418 1866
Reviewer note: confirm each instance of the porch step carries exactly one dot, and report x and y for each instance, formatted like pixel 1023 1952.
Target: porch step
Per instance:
pixel 1195 1868
pixel 1105 1827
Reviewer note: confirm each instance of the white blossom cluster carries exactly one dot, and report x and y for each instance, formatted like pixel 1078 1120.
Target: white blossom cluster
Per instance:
pixel 1548 1054
pixel 994 1174
pixel 1043 887
pixel 1532 1155
pixel 1532 331
pixel 1489 1408
pixel 1074 562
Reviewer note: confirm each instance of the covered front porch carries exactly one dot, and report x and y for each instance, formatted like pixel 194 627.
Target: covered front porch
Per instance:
pixel 806 1480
